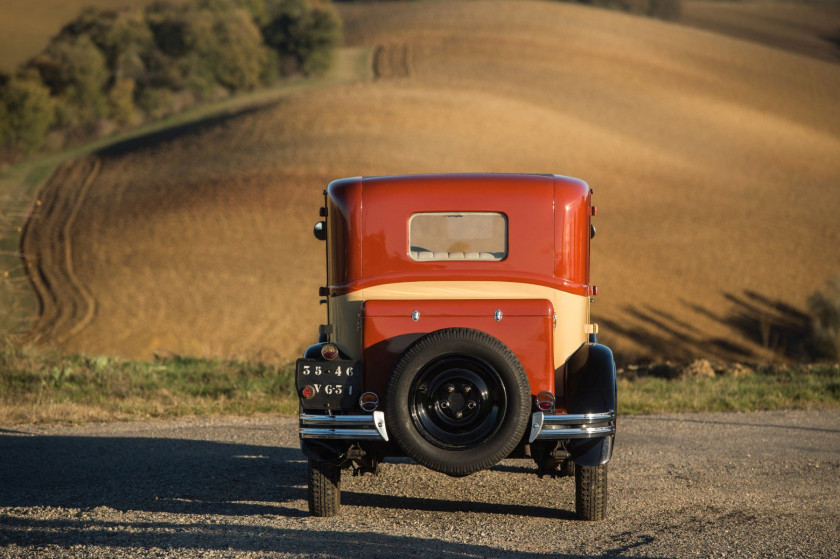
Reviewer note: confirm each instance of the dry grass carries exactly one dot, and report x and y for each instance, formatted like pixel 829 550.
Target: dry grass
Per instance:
pixel 716 179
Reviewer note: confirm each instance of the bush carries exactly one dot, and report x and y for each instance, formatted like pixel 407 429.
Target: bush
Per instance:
pixel 74 69
pixel 26 113
pixel 302 33
pixel 825 321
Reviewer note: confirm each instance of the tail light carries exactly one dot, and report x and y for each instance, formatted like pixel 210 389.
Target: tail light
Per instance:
pixel 369 401
pixel 545 402
pixel 329 352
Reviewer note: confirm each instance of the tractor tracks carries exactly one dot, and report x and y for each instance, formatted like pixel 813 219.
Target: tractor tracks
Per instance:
pixel 392 61
pixel 65 304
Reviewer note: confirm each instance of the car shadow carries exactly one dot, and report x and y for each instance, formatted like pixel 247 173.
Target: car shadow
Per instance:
pixel 442 505
pixel 152 474
pixel 197 479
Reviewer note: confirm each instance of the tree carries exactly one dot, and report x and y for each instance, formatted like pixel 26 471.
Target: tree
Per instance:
pixel 304 33
pixel 74 69
pixel 26 113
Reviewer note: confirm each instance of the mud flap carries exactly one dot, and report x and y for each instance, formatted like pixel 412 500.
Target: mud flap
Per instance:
pixel 590 387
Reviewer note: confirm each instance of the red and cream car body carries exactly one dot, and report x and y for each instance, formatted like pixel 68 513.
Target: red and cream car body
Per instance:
pixel 437 285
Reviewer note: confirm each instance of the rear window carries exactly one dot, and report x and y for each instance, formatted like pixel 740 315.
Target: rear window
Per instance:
pixel 457 236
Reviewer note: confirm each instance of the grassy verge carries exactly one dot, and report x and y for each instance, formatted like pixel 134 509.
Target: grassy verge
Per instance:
pixel 38 386
pixel 769 388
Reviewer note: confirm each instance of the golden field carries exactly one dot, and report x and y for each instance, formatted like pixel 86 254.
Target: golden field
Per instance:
pixel 715 163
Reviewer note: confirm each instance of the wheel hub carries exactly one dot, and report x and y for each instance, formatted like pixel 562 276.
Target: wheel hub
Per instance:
pixel 459 402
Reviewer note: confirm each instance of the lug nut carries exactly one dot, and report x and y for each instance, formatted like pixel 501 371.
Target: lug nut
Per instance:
pixel 459 415
pixel 466 389
pixel 450 388
pixel 471 405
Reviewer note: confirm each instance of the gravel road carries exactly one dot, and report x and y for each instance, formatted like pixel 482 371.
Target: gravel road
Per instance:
pixel 743 485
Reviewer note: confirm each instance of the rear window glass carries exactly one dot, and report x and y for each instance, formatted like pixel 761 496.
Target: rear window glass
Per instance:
pixel 457 236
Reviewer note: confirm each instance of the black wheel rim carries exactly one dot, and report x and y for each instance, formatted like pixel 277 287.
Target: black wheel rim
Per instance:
pixel 458 401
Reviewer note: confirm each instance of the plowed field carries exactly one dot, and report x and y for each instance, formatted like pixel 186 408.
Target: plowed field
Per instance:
pixel 715 164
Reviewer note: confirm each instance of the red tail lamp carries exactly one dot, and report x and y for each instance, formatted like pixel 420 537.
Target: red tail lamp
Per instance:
pixel 329 352
pixel 545 401
pixel 369 401
pixel 307 392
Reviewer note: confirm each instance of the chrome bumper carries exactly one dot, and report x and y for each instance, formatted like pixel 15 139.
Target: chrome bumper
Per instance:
pixel 355 427
pixel 571 426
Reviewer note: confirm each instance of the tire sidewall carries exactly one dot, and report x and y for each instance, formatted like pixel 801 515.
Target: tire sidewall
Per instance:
pixel 481 346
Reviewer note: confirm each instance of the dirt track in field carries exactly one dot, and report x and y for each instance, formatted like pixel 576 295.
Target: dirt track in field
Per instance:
pixel 714 163
pixel 711 485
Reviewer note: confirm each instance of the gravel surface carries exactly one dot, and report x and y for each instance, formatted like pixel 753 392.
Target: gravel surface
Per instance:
pixel 743 485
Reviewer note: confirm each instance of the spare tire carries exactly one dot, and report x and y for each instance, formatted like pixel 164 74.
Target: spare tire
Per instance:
pixel 458 401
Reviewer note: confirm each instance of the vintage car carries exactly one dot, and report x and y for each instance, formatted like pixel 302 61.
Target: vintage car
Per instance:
pixel 458 333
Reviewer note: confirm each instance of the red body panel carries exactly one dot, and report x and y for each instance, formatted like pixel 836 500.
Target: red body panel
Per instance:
pixel 526 328
pixel 548 235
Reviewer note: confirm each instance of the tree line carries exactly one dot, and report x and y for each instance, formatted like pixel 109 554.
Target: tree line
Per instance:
pixel 110 69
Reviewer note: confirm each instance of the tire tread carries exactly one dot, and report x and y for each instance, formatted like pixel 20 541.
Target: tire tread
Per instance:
pixel 591 492
pixel 324 488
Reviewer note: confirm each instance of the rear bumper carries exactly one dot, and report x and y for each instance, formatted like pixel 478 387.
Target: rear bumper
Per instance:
pixel 344 427
pixel 571 426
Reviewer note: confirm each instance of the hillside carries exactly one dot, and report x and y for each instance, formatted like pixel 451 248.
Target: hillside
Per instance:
pixel 714 163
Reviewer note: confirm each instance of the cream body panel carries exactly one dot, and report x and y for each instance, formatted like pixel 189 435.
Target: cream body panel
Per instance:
pixel 569 332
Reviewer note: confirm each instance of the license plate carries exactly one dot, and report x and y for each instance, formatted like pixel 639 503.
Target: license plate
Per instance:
pixel 329 385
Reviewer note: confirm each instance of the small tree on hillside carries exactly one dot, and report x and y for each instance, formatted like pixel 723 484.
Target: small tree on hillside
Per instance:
pixel 303 33
pixel 26 113
pixel 74 69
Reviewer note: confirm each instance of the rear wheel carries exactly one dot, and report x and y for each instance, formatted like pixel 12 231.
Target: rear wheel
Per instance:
pixel 324 490
pixel 591 492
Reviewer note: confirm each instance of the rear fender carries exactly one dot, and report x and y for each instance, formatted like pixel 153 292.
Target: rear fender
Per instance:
pixel 590 387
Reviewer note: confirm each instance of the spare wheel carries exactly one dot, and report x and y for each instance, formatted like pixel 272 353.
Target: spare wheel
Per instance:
pixel 458 401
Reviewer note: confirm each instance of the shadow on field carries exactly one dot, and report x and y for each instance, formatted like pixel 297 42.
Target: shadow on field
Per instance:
pixel 767 323
pixel 152 139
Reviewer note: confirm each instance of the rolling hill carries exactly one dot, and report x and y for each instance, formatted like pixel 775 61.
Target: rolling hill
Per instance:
pixel 715 163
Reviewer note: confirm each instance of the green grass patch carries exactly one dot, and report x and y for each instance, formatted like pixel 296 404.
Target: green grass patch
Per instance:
pixel 769 388
pixel 38 386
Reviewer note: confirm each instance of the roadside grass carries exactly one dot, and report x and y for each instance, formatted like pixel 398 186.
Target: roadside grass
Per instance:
pixel 43 386
pixel 769 388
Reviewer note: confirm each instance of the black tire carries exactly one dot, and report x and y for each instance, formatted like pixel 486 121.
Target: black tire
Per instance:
pixel 324 490
pixel 458 401
pixel 591 492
